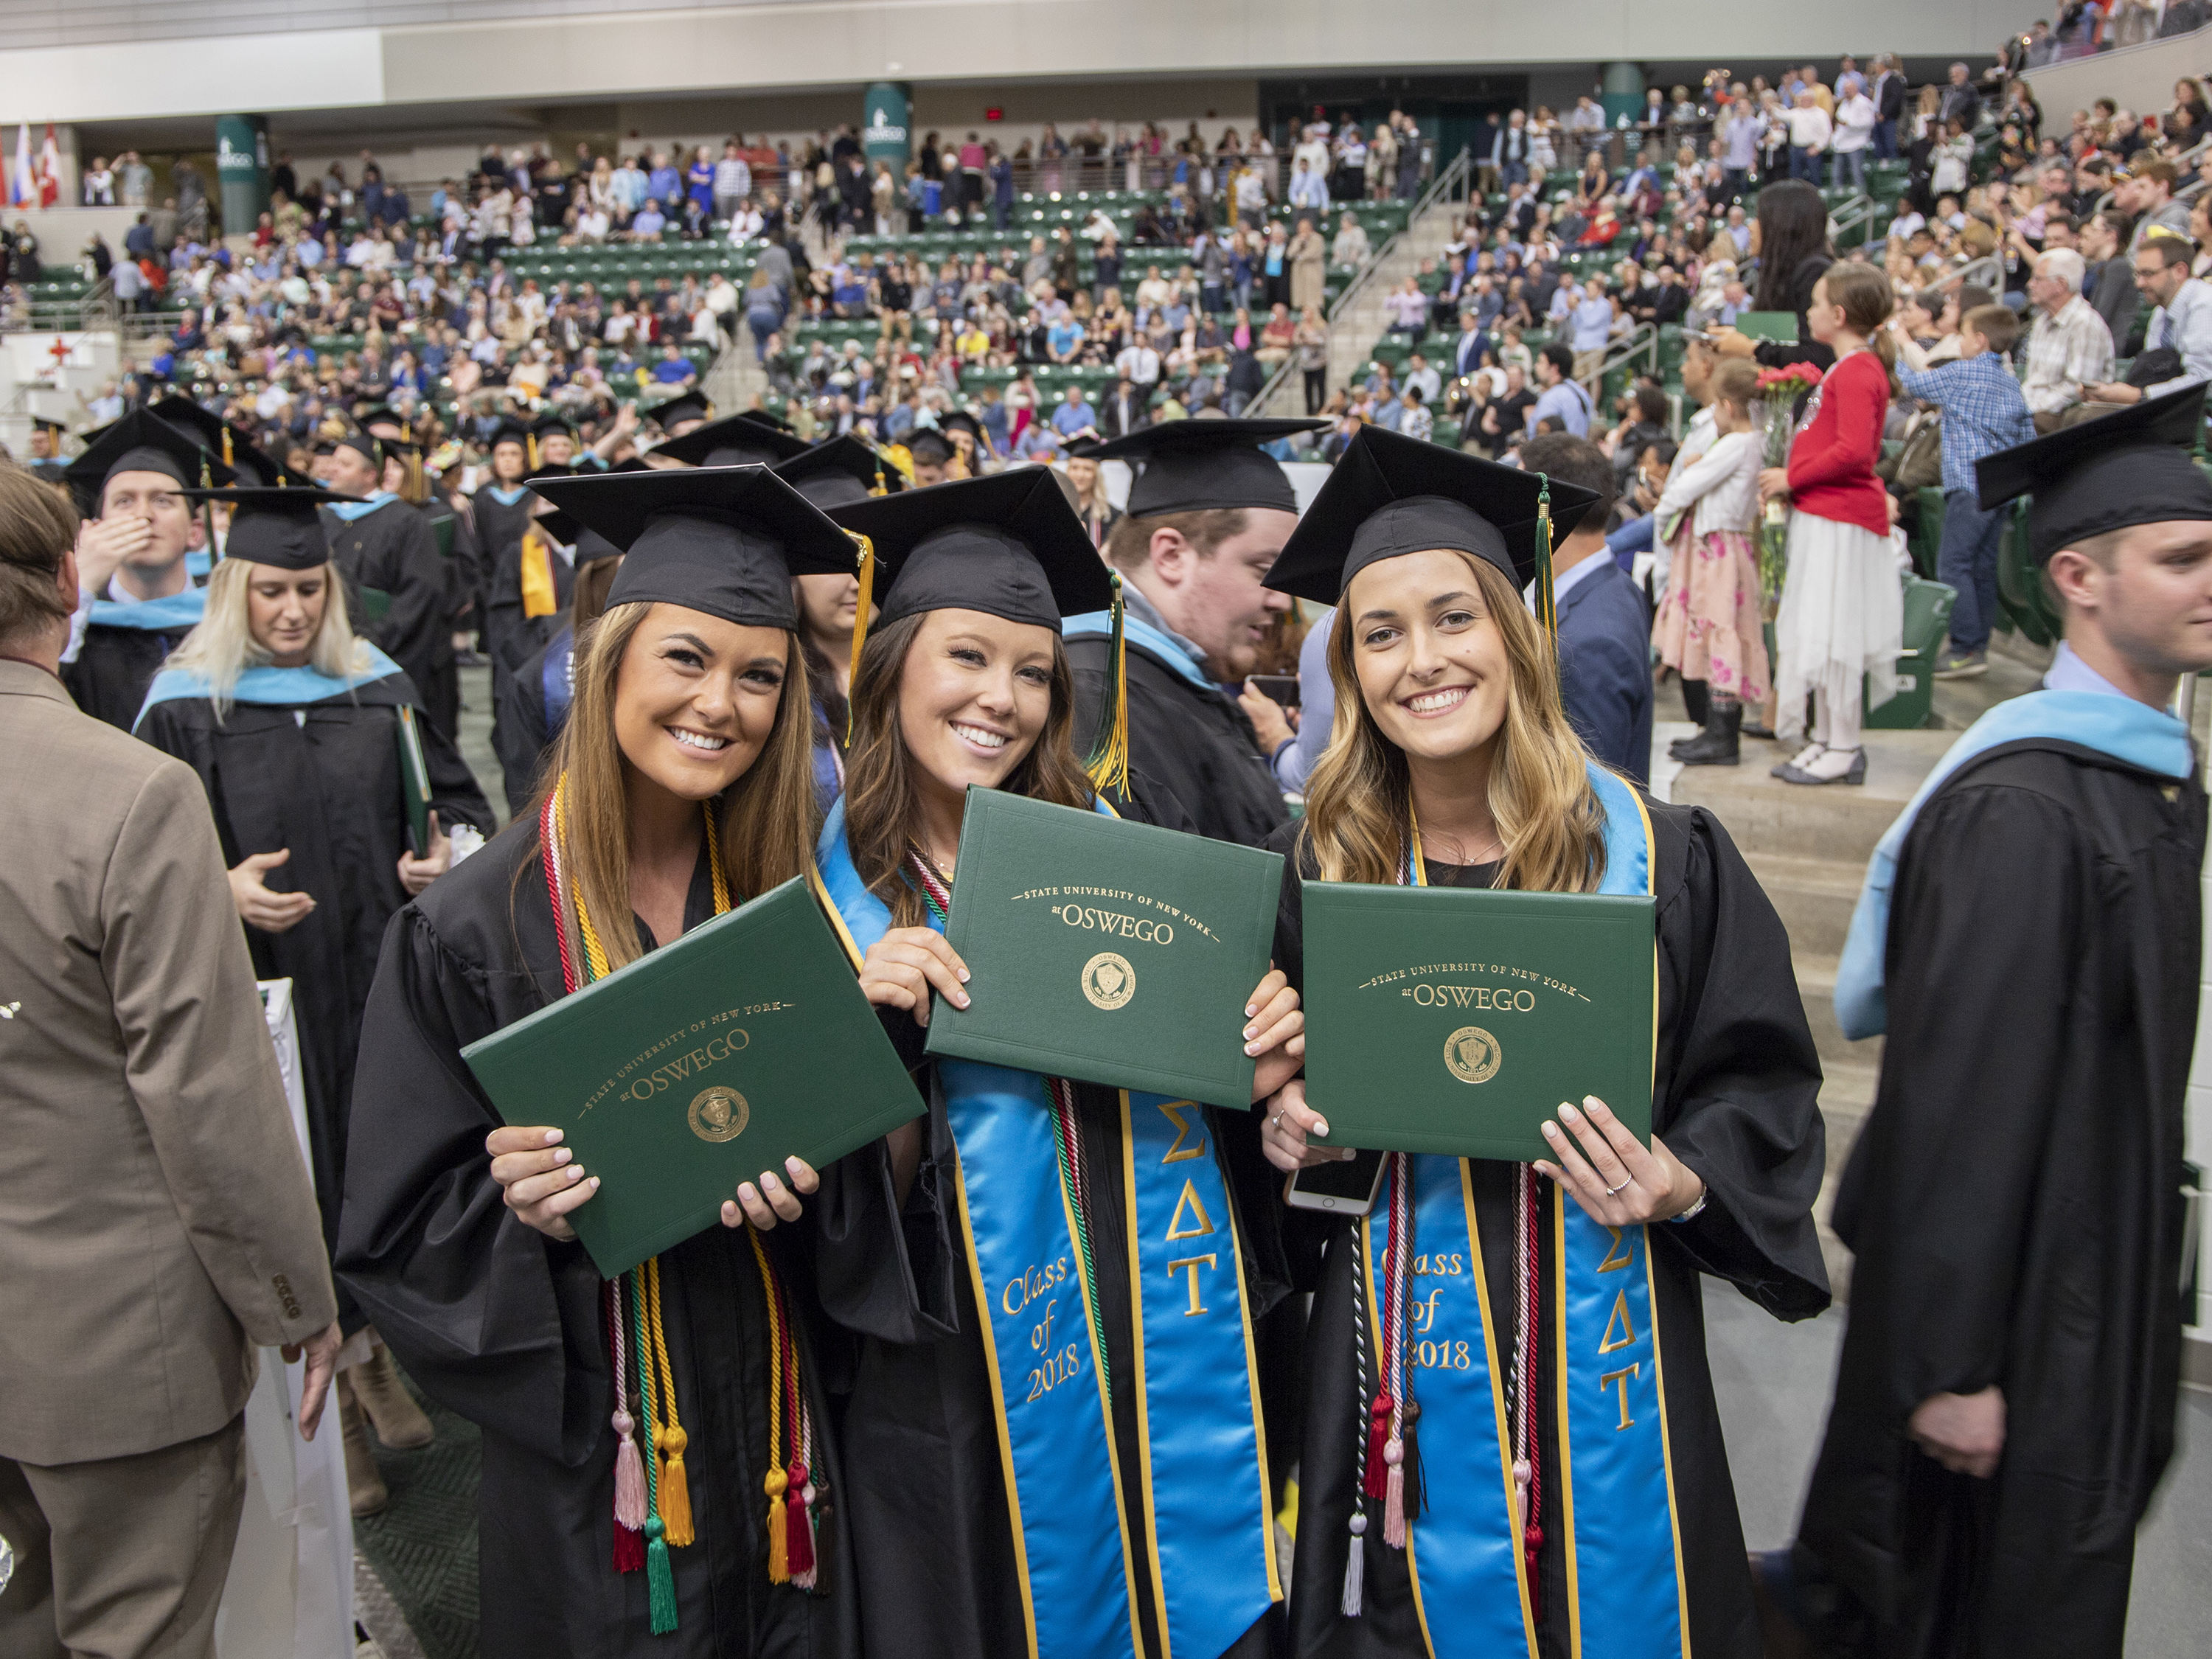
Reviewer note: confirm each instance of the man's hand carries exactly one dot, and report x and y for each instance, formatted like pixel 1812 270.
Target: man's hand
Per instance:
pixel 1269 721
pixel 1964 1432
pixel 104 545
pixel 2112 392
pixel 259 906
pixel 322 1355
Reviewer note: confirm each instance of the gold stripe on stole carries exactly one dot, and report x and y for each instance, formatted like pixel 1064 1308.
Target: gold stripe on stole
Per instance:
pixel 999 1396
pixel 1659 1367
pixel 1497 1399
pixel 1143 1411
pixel 1105 1405
pixel 829 909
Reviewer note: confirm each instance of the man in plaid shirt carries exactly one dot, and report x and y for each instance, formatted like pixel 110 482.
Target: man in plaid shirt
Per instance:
pixel 2070 346
pixel 1983 413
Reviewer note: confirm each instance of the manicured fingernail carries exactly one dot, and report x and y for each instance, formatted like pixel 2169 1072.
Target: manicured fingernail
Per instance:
pixel 1594 1103
pixel 747 1193
pixel 770 1182
pixel 564 1155
pixel 792 1164
pixel 1250 1009
pixel 964 975
pixel 1251 1048
pixel 960 999
pixel 574 1171
pixel 1252 1029
pixel 594 1183
pixel 1321 1125
pixel 1567 1109
pixel 1550 1132
pixel 552 1135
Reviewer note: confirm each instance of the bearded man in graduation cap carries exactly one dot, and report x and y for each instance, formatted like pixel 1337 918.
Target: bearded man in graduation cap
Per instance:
pixel 1208 513
pixel 138 600
pixel 2028 937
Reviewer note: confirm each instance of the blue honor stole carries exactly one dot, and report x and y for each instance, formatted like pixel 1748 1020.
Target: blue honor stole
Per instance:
pixel 1210 1539
pixel 1615 1478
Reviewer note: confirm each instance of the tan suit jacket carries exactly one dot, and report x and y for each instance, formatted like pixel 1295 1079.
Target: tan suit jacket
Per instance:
pixel 156 1216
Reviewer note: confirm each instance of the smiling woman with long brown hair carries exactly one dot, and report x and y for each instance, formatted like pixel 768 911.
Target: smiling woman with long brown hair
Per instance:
pixel 1024 1185
pixel 1451 763
pixel 628 1476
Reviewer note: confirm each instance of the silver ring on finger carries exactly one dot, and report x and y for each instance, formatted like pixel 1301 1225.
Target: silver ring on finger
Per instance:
pixel 1610 1191
pixel 1277 1119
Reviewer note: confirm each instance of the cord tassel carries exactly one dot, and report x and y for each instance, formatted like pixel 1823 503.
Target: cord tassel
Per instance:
pixel 660 1580
pixel 779 1542
pixel 1394 1494
pixel 1547 611
pixel 675 1486
pixel 1379 1444
pixel 1412 1464
pixel 798 1544
pixel 1355 1568
pixel 812 1578
pixel 1108 763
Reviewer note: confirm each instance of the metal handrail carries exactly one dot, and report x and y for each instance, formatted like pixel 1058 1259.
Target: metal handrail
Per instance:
pixel 1642 341
pixel 1986 271
pixel 1455 177
pixel 1859 210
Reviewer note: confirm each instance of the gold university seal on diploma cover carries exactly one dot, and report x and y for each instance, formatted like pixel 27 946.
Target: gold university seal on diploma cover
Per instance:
pixel 1109 982
pixel 1472 1055
pixel 719 1114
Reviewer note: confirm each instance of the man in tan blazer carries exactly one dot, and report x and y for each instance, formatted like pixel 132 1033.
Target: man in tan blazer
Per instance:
pixel 156 1222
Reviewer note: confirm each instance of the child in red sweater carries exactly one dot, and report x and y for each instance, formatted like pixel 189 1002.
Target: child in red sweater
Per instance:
pixel 1842 616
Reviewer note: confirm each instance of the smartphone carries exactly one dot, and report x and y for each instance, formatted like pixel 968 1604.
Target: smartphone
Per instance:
pixel 1343 1189
pixel 1283 687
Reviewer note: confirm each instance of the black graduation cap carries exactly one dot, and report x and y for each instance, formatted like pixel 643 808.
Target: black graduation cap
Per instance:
pixel 724 540
pixel 234 446
pixel 2127 468
pixel 384 415
pixel 1194 466
pixel 929 446
pixel 277 527
pixel 512 432
pixel 734 440
pixel 553 422
pixel 762 417
pixel 1008 546
pixel 139 442
pixel 48 424
pixel 1390 495
pixel 960 420
pixel 839 472
pixel 687 405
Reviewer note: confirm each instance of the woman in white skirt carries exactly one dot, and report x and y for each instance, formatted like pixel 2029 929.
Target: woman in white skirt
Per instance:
pixel 1842 617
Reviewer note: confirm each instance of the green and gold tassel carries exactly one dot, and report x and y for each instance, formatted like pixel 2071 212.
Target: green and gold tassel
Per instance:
pixel 1546 610
pixel 1108 763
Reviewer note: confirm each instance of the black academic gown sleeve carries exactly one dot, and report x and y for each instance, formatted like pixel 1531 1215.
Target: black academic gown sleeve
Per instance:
pixel 113 668
pixel 1192 742
pixel 518 732
pixel 1735 1097
pixel 394 549
pixel 2014 1204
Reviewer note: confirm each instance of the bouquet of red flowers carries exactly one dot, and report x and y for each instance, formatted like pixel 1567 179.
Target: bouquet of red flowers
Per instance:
pixel 1779 390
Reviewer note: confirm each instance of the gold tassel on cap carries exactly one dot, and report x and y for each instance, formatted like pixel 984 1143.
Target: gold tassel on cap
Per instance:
pixel 866 559
pixel 530 450
pixel 226 460
pixel 1108 763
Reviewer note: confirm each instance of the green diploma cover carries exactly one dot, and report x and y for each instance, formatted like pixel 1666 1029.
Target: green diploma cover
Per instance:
pixel 1780 326
pixel 697 1067
pixel 1106 951
pixel 1456 1020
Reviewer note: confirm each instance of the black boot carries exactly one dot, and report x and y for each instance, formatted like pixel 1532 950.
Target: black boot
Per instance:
pixel 1697 699
pixel 1717 746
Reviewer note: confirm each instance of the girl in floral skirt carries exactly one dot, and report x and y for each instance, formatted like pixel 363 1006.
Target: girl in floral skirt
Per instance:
pixel 1709 624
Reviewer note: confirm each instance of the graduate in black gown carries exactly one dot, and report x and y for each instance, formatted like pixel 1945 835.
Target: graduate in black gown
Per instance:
pixel 138 601
pixel 834 473
pixel 405 476
pixel 499 511
pixel 1462 769
pixel 690 736
pixel 1208 513
pixel 2029 939
pixel 292 724
pixel 985 1507
pixel 390 558
pixel 537 699
pixel 530 587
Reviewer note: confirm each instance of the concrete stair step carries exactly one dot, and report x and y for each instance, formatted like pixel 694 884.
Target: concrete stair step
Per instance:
pixel 1814 896
pixel 1840 821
